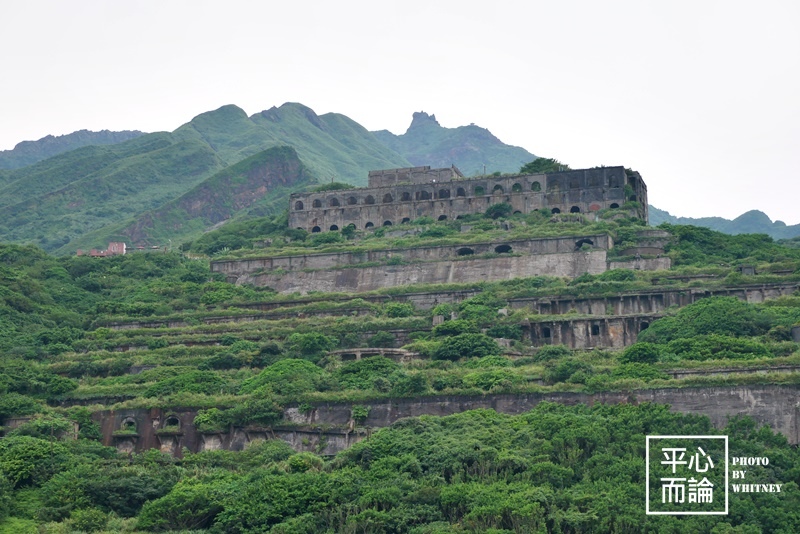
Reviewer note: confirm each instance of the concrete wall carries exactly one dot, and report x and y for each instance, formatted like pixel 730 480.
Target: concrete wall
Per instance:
pixel 772 405
pixel 439 272
pixel 602 332
pixel 553 245
pixel 581 191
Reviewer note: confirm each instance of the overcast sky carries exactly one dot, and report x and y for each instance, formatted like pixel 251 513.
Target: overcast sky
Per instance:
pixel 701 97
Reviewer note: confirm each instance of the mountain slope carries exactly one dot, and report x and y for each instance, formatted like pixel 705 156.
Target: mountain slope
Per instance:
pixel 470 148
pixel 30 152
pixel 752 222
pixel 260 183
pixel 94 189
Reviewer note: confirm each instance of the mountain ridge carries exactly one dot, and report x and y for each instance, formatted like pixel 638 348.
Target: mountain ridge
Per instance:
pixel 750 222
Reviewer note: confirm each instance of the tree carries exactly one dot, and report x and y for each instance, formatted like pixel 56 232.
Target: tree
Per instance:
pixel 543 165
pixel 466 345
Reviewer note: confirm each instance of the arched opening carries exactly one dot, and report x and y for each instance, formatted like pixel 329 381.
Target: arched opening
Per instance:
pixel 574 209
pixel 334 228
pixel 298 205
pixel 405 220
pixel 632 198
pixel 460 192
pixel 406 197
pixel 369 199
pixel 498 189
pixel 387 223
pixel 546 332
pixel 316 229
pixel 388 198
pixel 644 326
pixel 595 329
pixel 334 202
pixel 172 421
pixel 369 225
pixel 516 188
pixel 465 251
pixel 517 212
pixel 503 249
pixel 352 201
pixel 614 205
pixel 442 218
pixel 536 186
pixel 581 242
pixel 128 424
pixel 555 211
pixel 317 203
pixel 351 225
pixel 479 191
pixel 444 193
pixel 423 195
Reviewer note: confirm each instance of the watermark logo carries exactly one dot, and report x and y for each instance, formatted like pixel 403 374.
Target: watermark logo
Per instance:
pixel 687 475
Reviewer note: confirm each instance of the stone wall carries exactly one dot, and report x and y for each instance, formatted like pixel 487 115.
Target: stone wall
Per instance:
pixel 580 191
pixel 581 333
pixel 328 428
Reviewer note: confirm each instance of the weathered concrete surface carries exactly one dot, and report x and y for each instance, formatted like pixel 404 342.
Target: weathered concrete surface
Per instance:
pixel 772 405
pixel 439 272
pixel 613 332
pixel 531 247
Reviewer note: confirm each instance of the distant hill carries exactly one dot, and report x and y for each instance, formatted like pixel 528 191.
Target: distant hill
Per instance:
pixel 470 148
pixel 257 186
pixel 30 152
pixel 95 189
pixel 752 222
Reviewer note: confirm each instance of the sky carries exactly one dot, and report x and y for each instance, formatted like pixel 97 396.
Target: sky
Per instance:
pixel 701 97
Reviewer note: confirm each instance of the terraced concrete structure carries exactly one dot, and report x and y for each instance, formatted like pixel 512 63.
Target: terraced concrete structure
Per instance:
pixel 398 196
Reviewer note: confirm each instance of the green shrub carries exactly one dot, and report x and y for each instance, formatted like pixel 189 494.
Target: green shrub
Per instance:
pixel 286 377
pixel 499 211
pixel 552 352
pixel 465 346
pixel 382 339
pixel 506 331
pixel 204 382
pixel 88 520
pixel 566 371
pixel 488 380
pixel 488 361
pixel 641 353
pixel 361 374
pixel 398 309
pixel 454 328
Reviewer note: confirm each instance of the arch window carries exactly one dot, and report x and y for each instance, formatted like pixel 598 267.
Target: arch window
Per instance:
pixel 387 223
pixel 517 212
pixel 442 217
pixel 316 229
pixel 614 205
pixel 465 251
pixel 334 202
pixel 574 209
pixel 423 195
pixel 516 188
pixel 555 210
pixel 479 190
pixel 172 421
pixel 317 203
pixel 406 197
pixel 644 326
pixel 498 189
pixel 369 199
pixel 444 193
pixel 546 332
pixel 581 242
pixel 503 249
pixel 128 424
pixel 595 329
pixel 369 225
pixel 460 192
pixel 388 198
pixel 298 205
pixel 405 220
pixel 334 228
pixel 351 201
pixel 536 186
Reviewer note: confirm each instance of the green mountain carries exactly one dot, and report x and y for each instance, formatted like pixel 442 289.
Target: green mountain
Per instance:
pixel 96 189
pixel 471 148
pixel 256 186
pixel 30 152
pixel 752 222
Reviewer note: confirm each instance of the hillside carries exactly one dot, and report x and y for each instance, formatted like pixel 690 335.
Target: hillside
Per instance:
pixel 256 186
pixel 471 148
pixel 96 189
pixel 29 152
pixel 752 222
pixel 144 393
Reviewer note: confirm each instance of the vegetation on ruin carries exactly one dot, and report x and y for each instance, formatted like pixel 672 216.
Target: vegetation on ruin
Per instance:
pixel 158 330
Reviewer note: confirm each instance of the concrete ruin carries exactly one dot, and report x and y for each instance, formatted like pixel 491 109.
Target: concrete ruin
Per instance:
pixel 398 196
